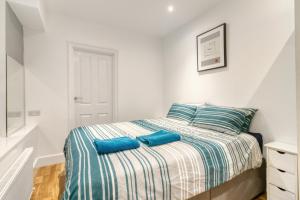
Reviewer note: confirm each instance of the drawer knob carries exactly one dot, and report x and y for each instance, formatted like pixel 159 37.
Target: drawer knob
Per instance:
pixel 281 170
pixel 281 152
pixel 281 188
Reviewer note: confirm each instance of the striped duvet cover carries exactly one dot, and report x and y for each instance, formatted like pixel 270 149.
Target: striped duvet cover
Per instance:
pixel 203 159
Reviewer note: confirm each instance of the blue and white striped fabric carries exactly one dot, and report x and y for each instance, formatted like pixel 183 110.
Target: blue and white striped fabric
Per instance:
pixel 248 112
pixel 203 159
pixel 183 112
pixel 222 119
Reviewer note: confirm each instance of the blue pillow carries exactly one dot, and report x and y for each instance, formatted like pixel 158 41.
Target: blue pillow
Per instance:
pixel 183 112
pixel 221 119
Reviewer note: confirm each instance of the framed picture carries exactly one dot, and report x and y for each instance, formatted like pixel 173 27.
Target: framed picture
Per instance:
pixel 211 49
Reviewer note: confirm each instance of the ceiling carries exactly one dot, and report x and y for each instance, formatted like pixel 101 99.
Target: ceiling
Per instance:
pixel 148 16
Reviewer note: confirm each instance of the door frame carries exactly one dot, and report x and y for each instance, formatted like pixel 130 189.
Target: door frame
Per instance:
pixel 72 47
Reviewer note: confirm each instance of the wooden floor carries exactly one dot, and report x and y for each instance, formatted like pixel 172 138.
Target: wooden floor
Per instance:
pixel 262 197
pixel 46 183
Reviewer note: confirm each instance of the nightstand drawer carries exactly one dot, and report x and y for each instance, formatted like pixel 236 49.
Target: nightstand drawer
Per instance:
pixel 283 161
pixel 283 180
pixel 276 193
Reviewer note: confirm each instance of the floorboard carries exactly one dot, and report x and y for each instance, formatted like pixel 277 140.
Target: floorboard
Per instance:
pixel 46 183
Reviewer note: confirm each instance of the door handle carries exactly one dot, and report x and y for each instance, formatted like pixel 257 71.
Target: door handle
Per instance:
pixel 281 152
pixel 281 188
pixel 282 171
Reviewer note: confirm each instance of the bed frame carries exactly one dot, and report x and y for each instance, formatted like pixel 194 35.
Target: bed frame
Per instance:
pixel 246 186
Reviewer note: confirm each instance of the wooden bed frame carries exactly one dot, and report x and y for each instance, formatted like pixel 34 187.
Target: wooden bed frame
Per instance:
pixel 246 186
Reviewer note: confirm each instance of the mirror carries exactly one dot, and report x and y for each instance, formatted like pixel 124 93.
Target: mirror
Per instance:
pixel 15 95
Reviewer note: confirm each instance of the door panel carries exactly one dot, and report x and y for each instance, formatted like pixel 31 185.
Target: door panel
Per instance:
pixel 103 117
pixel 103 77
pixel 85 119
pixel 93 88
pixel 85 92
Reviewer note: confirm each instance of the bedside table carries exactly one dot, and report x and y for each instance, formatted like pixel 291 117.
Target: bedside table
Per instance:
pixel 282 171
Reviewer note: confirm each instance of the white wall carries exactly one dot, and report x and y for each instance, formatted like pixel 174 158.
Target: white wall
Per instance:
pixel 261 64
pixel 139 74
pixel 297 34
pixel 2 68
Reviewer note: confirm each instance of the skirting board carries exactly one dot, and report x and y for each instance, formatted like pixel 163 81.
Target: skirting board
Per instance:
pixel 51 159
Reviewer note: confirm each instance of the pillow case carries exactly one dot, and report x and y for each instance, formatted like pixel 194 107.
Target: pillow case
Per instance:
pixel 249 112
pixel 183 112
pixel 222 119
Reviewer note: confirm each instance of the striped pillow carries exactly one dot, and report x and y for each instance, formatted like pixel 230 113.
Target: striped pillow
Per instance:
pixel 249 112
pixel 182 112
pixel 221 119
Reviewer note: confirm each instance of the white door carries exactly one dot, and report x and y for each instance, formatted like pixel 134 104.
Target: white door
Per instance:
pixel 93 88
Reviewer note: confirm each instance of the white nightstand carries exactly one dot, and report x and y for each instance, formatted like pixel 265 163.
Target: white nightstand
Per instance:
pixel 282 171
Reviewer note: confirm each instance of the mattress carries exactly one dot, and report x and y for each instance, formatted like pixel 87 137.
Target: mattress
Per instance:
pixel 259 139
pixel 202 160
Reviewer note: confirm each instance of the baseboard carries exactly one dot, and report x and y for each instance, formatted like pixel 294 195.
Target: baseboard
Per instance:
pixel 51 159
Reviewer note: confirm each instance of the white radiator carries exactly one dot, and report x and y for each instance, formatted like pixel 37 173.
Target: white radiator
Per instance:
pixel 16 183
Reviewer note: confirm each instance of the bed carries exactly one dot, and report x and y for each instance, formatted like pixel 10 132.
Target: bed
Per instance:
pixel 204 165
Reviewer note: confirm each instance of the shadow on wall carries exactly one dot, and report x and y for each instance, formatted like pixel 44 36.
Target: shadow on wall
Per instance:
pixel 276 91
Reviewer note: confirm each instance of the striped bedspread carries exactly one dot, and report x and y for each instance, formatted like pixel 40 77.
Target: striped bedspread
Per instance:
pixel 203 159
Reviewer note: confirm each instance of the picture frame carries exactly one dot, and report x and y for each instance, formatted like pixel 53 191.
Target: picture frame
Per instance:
pixel 211 49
